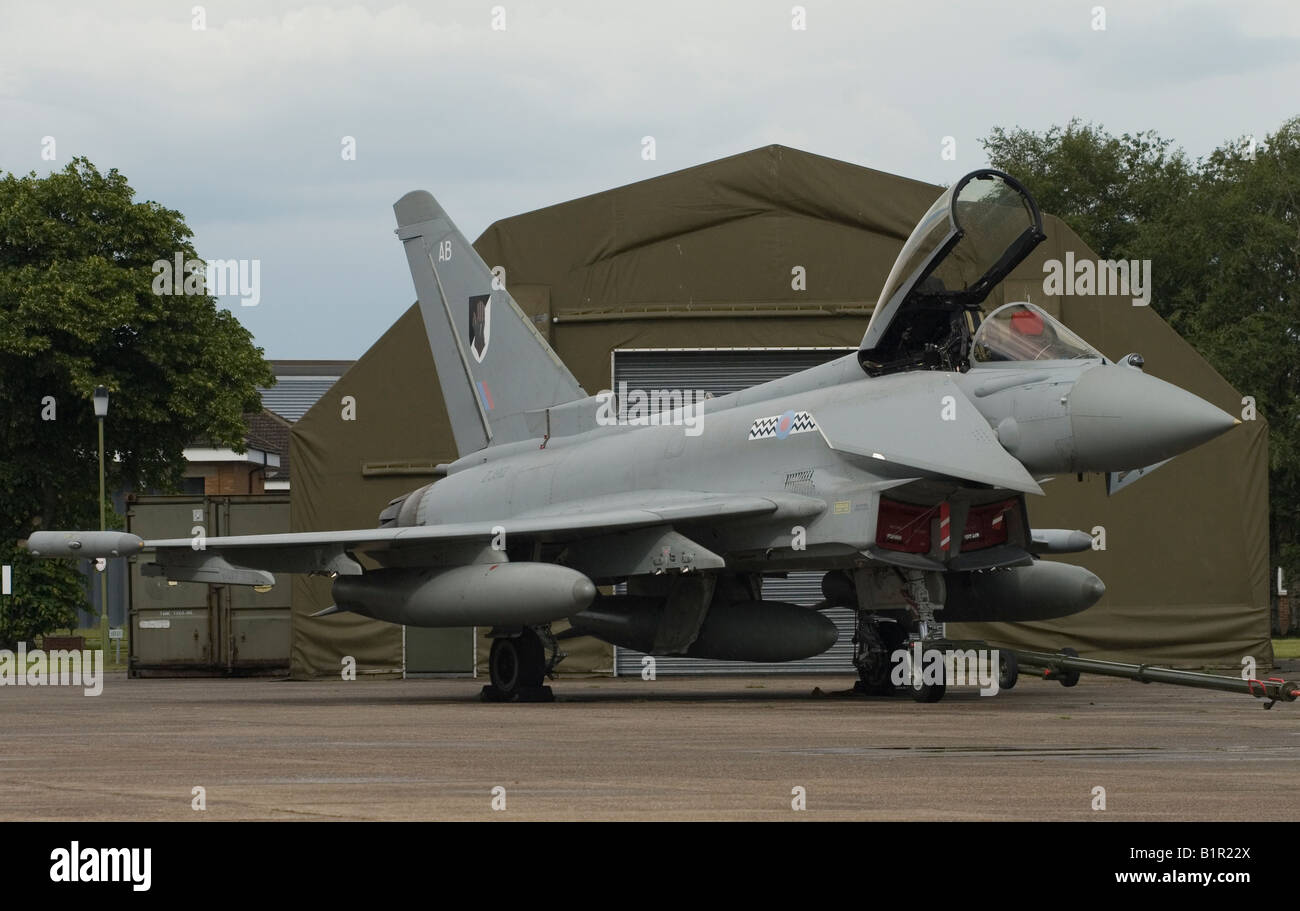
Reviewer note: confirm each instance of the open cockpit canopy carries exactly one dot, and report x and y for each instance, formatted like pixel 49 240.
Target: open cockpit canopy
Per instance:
pixel 980 229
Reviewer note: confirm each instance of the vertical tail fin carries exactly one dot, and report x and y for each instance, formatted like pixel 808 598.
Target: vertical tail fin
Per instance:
pixel 493 365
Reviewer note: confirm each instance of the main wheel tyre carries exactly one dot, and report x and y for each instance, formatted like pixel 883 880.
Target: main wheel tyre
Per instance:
pixel 517 664
pixel 927 692
pixel 1008 669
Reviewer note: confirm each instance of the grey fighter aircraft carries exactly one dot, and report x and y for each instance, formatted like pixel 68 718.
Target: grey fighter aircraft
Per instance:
pixel 900 471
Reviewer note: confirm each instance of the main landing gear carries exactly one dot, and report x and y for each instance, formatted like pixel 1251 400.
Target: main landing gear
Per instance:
pixel 881 639
pixel 898 636
pixel 518 665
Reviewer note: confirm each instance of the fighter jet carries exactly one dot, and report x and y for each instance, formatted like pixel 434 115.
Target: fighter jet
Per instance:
pixel 899 471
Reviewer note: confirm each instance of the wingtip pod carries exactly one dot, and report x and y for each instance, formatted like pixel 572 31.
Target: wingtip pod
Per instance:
pixel 84 544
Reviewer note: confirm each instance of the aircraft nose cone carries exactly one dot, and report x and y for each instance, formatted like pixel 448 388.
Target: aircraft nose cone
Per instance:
pixel 1123 419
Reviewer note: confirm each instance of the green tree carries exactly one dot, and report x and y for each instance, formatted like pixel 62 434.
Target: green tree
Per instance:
pixel 45 596
pixel 1107 188
pixel 1223 234
pixel 77 310
pixel 1242 306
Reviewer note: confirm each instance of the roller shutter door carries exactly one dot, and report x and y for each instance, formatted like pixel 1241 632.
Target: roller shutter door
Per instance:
pixel 722 371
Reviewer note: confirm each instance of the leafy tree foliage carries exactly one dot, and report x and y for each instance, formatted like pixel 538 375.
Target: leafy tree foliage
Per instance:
pixel 1107 188
pixel 77 310
pixel 45 596
pixel 1223 234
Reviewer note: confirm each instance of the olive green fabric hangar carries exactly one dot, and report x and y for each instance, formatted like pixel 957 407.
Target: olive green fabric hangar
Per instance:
pixel 780 248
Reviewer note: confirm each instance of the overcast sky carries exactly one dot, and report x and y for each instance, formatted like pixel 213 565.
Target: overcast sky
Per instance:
pixel 240 125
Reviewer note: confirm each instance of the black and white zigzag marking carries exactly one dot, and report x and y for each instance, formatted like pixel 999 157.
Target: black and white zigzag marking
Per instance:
pixel 768 427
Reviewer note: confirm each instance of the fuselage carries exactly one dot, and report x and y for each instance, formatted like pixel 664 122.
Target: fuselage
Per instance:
pixel 713 450
pixel 826 478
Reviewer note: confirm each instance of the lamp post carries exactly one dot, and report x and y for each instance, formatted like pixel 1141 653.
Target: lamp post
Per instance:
pixel 101 412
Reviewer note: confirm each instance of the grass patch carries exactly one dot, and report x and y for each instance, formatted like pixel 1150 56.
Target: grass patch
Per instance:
pixel 1286 649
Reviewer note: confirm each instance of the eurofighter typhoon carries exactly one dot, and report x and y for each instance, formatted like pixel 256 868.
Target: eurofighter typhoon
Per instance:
pixel 900 471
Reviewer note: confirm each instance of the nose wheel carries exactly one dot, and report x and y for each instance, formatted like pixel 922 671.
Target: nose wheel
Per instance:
pixel 517 666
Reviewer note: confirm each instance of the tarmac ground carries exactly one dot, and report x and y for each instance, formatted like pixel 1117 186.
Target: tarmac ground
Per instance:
pixel 683 748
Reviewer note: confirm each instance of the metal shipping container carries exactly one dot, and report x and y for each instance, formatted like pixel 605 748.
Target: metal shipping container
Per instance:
pixel 188 628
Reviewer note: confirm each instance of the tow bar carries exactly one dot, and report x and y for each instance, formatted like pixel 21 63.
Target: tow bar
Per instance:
pixel 1065 667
